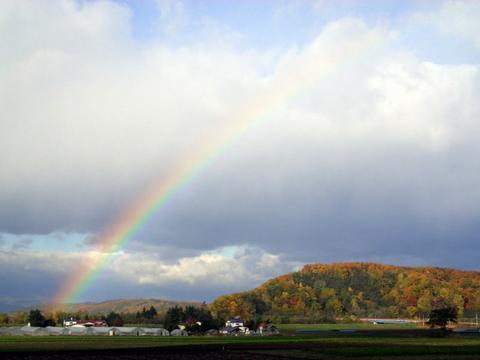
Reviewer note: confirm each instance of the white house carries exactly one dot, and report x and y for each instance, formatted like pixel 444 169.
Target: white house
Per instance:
pixel 70 322
pixel 235 331
pixel 235 322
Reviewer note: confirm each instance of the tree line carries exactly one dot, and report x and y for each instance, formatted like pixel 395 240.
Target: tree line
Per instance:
pixel 316 293
pixel 194 318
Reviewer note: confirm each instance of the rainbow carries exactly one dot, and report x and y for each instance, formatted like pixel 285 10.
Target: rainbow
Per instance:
pixel 161 192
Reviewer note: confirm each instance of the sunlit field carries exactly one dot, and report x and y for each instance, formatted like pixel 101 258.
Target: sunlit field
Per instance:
pixel 198 179
pixel 293 328
pixel 290 344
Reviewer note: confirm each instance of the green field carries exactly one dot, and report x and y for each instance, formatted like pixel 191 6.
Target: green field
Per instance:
pixel 303 346
pixel 292 328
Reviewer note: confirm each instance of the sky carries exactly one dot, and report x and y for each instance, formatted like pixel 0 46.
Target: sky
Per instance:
pixel 363 145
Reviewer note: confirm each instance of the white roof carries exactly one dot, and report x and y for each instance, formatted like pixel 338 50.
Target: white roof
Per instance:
pixel 102 329
pixel 125 328
pixel 156 331
pixel 11 330
pixel 33 330
pixel 129 330
pixel 57 330
pixel 178 332
pixel 80 330
pixel 30 329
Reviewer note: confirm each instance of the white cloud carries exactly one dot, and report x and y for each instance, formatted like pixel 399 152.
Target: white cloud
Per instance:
pixel 22 260
pixel 358 149
pixel 245 268
pixel 456 17
pixel 173 15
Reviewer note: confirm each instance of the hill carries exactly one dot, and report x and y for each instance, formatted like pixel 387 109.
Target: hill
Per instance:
pixel 324 292
pixel 118 306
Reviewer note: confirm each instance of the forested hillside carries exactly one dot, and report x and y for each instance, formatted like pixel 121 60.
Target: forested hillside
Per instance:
pixel 325 292
pixel 119 306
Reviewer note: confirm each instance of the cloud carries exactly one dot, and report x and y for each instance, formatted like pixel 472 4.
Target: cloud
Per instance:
pixel 358 150
pixel 119 123
pixel 208 273
pixel 456 17
pixel 243 268
pixel 91 240
pixel 22 244
pixel 173 16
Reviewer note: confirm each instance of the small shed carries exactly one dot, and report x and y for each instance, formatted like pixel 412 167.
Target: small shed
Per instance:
pixel 56 331
pixel 268 330
pixel 179 332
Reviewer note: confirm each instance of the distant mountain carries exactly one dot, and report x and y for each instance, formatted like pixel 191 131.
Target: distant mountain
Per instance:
pixel 321 292
pixel 119 306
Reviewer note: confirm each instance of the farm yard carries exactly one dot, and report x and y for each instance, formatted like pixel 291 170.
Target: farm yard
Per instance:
pixel 380 344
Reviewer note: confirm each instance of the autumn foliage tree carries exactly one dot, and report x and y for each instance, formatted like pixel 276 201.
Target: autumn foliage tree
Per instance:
pixel 326 292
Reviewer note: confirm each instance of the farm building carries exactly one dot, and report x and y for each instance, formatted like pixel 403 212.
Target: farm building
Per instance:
pixel 80 330
pixel 86 323
pixel 34 331
pixel 267 329
pixel 236 331
pixel 235 327
pixel 236 321
pixel 52 330
pixel 179 332
pixel 130 331
pixel 156 332
pixel 105 331
pixel 8 330
pixel 12 330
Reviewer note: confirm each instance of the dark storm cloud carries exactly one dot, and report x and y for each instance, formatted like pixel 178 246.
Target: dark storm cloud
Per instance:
pixel 374 158
pixel 398 201
pixel 22 244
